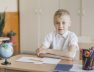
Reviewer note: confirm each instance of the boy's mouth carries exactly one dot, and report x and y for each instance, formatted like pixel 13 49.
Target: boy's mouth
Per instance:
pixel 60 29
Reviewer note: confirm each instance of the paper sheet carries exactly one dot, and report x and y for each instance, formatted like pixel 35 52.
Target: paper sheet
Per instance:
pixel 36 60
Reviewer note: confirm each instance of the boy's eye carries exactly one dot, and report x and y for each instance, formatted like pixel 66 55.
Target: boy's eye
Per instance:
pixel 63 22
pixel 57 23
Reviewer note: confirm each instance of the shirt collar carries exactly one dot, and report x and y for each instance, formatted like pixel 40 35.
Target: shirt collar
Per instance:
pixel 64 35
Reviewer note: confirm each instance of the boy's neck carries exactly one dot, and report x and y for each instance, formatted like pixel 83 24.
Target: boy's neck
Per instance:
pixel 62 32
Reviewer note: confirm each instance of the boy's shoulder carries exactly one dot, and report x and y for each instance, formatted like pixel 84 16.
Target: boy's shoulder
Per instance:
pixel 52 33
pixel 72 34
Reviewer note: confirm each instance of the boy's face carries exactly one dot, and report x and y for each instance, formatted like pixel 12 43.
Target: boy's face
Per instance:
pixel 62 23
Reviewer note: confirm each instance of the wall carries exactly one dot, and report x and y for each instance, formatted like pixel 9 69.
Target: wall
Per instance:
pixel 8 5
pixel 36 20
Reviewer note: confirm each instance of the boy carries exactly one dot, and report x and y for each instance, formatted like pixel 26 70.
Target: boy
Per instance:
pixel 61 42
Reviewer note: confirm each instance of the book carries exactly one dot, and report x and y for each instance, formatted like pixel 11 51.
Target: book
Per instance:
pixel 4 38
pixel 63 67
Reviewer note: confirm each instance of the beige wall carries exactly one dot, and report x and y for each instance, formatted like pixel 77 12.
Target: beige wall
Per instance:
pixel 8 5
pixel 36 20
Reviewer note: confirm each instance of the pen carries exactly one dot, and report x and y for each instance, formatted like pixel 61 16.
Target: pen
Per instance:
pixel 85 62
pixel 91 62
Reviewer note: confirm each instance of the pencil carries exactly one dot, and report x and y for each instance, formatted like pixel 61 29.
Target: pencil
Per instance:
pixel 85 62
pixel 91 62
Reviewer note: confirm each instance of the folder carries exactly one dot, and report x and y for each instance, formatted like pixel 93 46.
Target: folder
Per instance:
pixel 63 67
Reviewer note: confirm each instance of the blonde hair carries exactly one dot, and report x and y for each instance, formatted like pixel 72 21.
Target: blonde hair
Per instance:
pixel 61 12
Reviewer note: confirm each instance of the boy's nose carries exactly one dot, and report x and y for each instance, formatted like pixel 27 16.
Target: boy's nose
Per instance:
pixel 61 25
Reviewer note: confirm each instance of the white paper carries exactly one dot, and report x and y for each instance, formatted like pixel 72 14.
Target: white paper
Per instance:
pixel 51 60
pixel 36 60
pixel 29 59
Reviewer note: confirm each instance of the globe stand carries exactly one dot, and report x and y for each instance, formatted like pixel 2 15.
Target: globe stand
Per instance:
pixel 5 62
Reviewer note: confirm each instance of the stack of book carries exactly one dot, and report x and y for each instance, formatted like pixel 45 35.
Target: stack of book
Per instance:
pixel 4 39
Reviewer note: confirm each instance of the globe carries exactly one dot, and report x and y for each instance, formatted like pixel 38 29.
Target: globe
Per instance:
pixel 6 51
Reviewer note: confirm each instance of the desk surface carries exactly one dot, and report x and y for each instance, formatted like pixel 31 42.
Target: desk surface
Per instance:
pixel 22 66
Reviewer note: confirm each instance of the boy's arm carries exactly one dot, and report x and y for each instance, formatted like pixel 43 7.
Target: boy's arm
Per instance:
pixel 69 54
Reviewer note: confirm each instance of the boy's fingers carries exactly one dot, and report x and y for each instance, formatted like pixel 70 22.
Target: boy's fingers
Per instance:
pixel 37 51
pixel 41 55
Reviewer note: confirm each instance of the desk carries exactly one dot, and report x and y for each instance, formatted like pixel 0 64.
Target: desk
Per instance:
pixel 28 67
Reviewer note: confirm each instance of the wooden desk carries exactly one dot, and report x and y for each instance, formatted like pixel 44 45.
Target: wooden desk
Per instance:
pixel 28 67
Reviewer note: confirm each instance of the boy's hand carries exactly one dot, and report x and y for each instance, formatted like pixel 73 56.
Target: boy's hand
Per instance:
pixel 41 51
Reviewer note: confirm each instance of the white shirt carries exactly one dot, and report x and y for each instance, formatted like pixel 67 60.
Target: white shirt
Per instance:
pixel 60 42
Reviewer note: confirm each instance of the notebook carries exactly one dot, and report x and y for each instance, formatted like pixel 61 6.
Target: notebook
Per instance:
pixel 63 67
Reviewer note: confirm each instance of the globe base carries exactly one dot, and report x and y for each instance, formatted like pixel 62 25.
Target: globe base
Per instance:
pixel 5 62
